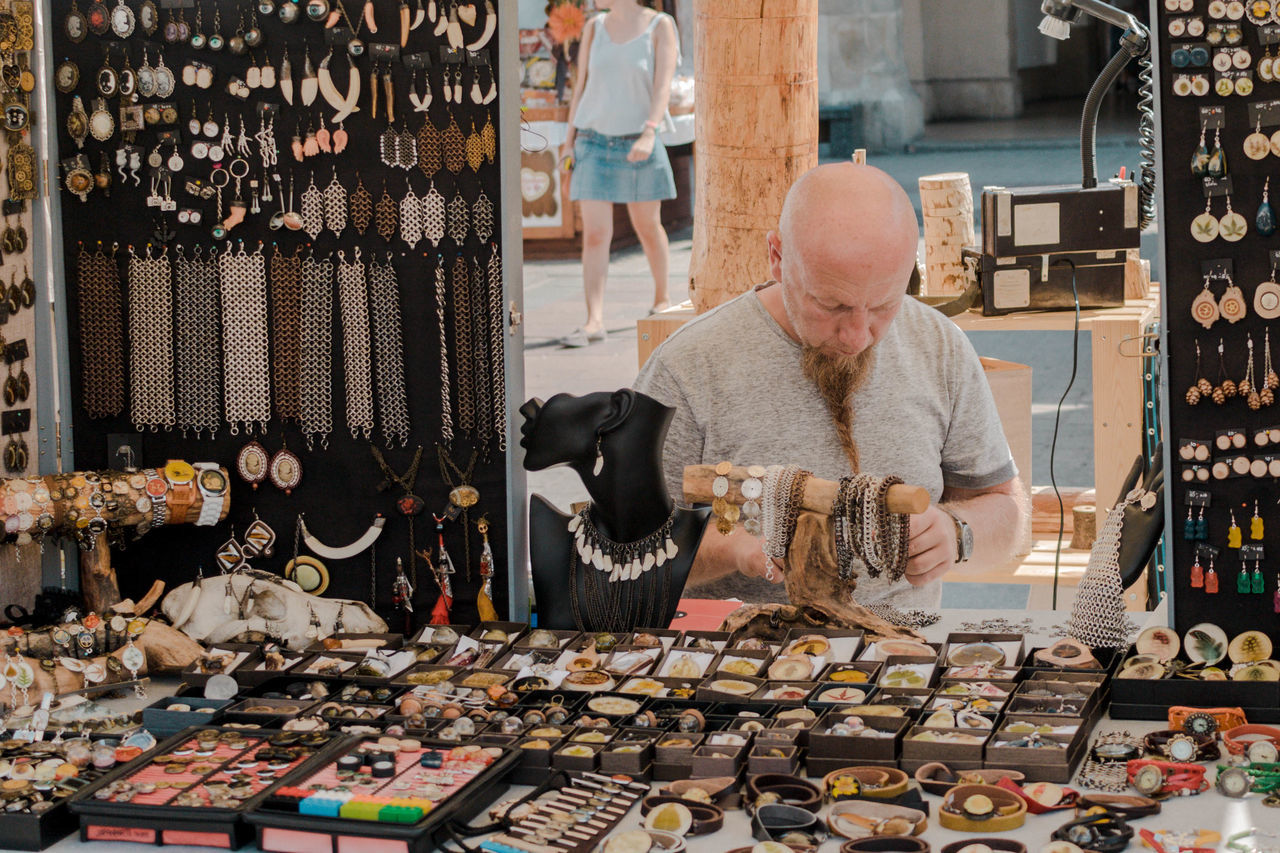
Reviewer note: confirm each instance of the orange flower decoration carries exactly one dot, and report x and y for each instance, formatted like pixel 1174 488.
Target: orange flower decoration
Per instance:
pixel 566 23
pixel 92 621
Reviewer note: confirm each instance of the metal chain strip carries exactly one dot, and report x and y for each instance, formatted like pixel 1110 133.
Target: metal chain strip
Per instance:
pixel 490 138
pixel 150 341
pixel 446 404
pixel 411 218
pixel 385 215
pixel 353 308
pixel 430 151
pixel 497 348
pixel 286 319
pixel 198 368
pixel 335 206
pixel 462 344
pixel 455 155
pixel 245 353
pixel 475 149
pixel 361 205
pixel 480 353
pixel 102 347
pixel 384 304
pixel 315 376
pixel 458 219
pixel 433 215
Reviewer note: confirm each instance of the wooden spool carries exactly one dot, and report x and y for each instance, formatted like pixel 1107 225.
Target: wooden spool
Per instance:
pixel 819 495
pixel 1084 526
pixel 756 130
pixel 946 207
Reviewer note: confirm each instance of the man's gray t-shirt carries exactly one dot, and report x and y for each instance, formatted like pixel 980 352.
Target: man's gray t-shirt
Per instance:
pixel 737 383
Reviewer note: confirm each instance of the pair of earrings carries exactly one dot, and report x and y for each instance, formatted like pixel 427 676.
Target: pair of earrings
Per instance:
pixel 1206 308
pixel 1200 579
pixel 1235 535
pixel 284 469
pixel 1231 227
pixel 1254 584
pixel 1195 529
pixel 1212 162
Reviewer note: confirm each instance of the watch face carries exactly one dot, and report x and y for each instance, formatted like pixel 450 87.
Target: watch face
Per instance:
pixel 179 472
pixel 157 488
pixel 1181 749
pixel 1148 780
pixel 1201 724
pixel 1263 752
pixel 213 482
pixel 1234 782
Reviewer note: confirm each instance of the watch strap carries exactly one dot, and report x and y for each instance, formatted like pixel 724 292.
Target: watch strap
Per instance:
pixel 1126 806
pixel 874 783
pixel 1230 737
pixel 791 789
pixel 892 844
pixel 961 527
pixel 707 818
pixel 1010 810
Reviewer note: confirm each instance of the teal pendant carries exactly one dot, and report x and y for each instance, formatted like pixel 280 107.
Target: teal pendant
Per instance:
pixel 1265 221
pixel 1200 162
pixel 1217 165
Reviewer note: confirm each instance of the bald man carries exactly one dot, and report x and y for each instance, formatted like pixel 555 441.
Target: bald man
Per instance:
pixel 832 367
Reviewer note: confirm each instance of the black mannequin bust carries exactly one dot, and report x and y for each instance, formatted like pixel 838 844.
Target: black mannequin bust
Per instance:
pixel 614 442
pixel 1142 528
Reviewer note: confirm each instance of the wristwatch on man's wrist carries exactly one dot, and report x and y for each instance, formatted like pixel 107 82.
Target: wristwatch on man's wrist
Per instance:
pixel 964 536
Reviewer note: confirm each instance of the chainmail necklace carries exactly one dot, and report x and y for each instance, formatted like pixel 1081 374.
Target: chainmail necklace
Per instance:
pixel 1098 617
pixel 335 205
pixel 462 344
pixel 482 217
pixel 361 205
pixel 384 304
pixel 150 341
pixel 480 353
pixel 433 215
pixel 312 209
pixel 286 316
pixel 315 392
pixel 459 213
pixel 357 369
pixel 446 405
pixel 102 348
pixel 198 368
pixel 497 349
pixel 247 390
pixel 411 218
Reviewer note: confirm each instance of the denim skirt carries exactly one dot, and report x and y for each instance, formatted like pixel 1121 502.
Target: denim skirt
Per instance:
pixel 601 171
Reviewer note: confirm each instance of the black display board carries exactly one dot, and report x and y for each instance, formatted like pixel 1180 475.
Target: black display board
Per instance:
pixel 1195 41
pixel 339 491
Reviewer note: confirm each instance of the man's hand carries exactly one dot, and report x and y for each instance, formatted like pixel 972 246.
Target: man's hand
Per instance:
pixel 723 555
pixel 933 546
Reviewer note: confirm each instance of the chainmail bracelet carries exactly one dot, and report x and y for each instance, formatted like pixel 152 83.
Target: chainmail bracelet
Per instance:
pixel 865 529
pixel 198 367
pixel 446 404
pixel 101 301
pixel 384 303
pixel 356 357
pixel 462 344
pixel 247 390
pixel 315 391
pixel 286 317
pixel 480 354
pixel 150 341
pixel 497 349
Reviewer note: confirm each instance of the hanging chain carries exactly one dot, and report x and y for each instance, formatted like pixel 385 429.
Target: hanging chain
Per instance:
pixel 480 353
pixel 102 347
pixel 446 406
pixel 384 299
pixel 497 348
pixel 312 211
pixel 150 341
pixel 199 407
pixel 286 315
pixel 247 390
pixel 315 391
pixel 411 218
pixel 385 215
pixel 357 369
pixel 462 344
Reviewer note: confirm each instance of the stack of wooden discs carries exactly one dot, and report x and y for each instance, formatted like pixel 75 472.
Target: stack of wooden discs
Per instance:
pixel 946 203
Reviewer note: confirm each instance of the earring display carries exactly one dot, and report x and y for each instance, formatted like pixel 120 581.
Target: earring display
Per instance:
pixel 271 174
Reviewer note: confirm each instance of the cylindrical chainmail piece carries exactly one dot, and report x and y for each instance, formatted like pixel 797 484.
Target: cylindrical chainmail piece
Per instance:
pixel 286 331
pixel 462 345
pixel 315 376
pixel 446 402
pixel 244 339
pixel 198 365
pixel 497 348
pixel 102 348
pixel 150 341
pixel 480 353
pixel 353 308
pixel 384 299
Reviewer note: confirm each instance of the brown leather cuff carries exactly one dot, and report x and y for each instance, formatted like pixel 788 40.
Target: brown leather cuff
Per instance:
pixel 706 818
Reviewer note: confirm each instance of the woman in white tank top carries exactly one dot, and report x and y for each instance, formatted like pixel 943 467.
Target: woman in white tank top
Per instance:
pixel 625 66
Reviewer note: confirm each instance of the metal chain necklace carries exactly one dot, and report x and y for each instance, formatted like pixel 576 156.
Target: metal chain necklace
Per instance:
pixel 286 316
pixel 361 206
pixel 384 299
pixel 357 369
pixel 315 391
pixel 433 215
pixel 198 367
pixel 408 504
pixel 102 346
pixel 150 341
pixel 480 353
pixel 462 344
pixel 459 213
pixel 411 218
pixel 312 209
pixel 482 217
pixel 247 390
pixel 462 497
pixel 497 348
pixel 335 205
pixel 446 405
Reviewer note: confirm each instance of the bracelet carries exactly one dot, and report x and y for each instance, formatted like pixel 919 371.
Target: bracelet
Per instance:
pixel 651 125
pixel 706 817
pixel 1182 746
pixel 1269 737
pixel 1103 833
pixel 1161 778
pixel 1233 841
pixel 982 808
pixel 791 790
pixel 1205 720
pixel 1126 806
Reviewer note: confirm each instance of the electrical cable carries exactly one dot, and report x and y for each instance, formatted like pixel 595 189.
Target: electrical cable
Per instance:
pixel 1057 419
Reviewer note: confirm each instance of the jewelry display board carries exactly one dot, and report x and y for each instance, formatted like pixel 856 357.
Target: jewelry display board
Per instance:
pixel 281 224
pixel 1219 121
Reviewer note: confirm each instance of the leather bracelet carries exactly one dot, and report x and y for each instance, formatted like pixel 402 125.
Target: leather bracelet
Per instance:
pixel 1205 720
pixel 1000 845
pixel 881 783
pixel 1066 798
pixel 706 817
pixel 1182 779
pixel 861 818
pixel 791 790
pixel 771 822
pixel 1103 833
pixel 1182 746
pixel 1235 746
pixel 937 778
pixel 1009 811
pixel 887 844
pixel 1126 806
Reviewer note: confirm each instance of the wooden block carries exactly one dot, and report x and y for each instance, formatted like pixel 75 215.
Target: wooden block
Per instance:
pixel 1084 526
pixel 656 328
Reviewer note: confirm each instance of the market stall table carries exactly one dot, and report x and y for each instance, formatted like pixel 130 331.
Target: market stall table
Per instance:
pixel 1210 810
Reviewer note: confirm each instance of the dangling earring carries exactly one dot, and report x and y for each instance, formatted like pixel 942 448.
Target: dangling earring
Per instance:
pixel 1232 226
pixel 1189 527
pixel 1201 387
pixel 1266 297
pixel 1234 534
pixel 1257 146
pixel 1202 527
pixel 1200 157
pixel 1255 524
pixel 1242 580
pixel 285 470
pixel 1204 308
pixel 1265 219
pixel 1211 580
pixel 1197 574
pixel 1232 305
pixel 599 466
pixel 1204 228
pixel 1217 165
pixel 1259 585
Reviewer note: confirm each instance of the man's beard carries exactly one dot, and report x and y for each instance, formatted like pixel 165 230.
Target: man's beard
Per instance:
pixel 837 377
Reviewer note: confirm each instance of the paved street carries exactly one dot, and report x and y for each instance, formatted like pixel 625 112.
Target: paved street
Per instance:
pixel 1037 150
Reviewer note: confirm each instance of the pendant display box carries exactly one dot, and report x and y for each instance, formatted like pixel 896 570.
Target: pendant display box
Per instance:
pixel 1139 699
pixel 161 824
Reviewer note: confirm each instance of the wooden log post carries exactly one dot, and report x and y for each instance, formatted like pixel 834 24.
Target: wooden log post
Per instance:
pixel 946 206
pixel 819 494
pixel 98 582
pixel 756 132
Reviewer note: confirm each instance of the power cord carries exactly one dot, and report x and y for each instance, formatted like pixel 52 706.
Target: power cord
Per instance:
pixel 1057 420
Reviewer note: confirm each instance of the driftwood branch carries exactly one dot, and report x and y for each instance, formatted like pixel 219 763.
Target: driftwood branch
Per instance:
pixel 819 495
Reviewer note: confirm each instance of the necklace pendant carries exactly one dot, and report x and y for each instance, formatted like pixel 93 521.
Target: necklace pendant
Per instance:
pixel 410 505
pixel 464 497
